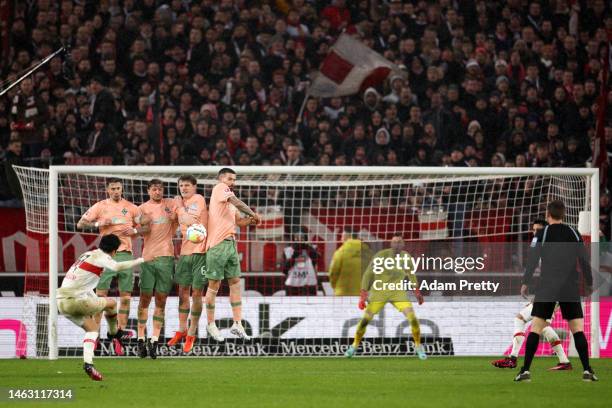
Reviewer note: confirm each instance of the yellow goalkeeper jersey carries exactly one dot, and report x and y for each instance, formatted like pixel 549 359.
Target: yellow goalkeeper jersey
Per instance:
pixel 346 267
pixel 392 275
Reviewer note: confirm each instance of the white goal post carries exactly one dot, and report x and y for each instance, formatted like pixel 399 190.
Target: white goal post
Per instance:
pixel 579 184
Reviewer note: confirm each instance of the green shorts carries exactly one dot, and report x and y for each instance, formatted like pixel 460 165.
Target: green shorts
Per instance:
pixel 126 276
pixel 157 275
pixel 222 261
pixel 191 271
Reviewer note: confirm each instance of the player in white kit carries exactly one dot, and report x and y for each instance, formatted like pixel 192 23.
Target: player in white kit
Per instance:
pixel 77 301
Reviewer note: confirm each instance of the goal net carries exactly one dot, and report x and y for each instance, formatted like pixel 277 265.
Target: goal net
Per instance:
pixel 292 305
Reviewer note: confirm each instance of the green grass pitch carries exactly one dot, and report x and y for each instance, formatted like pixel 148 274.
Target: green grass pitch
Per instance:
pixel 309 382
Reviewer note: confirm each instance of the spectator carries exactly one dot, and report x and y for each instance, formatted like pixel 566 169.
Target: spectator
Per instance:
pixel 251 150
pixel 291 156
pixel 348 263
pixel 338 15
pixel 12 195
pixel 102 102
pixel 28 115
pixel 509 69
pixel 100 141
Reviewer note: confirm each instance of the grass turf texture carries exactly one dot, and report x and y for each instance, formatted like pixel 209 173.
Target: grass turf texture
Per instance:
pixel 303 382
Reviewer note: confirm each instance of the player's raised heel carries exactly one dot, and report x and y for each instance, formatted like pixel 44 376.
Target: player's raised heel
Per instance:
pixel 91 371
pixel 152 349
pixel 589 376
pixel 142 348
pixel 238 330
pixel 420 351
pixel 178 336
pixel 188 344
pixel 523 376
pixel 213 332
pixel 350 352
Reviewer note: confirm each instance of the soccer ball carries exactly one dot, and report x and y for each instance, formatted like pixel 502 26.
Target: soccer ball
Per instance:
pixel 196 233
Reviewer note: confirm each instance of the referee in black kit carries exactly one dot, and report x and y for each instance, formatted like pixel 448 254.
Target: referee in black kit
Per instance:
pixel 561 249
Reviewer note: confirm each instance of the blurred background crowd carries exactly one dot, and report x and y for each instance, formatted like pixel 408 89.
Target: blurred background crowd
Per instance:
pixel 488 83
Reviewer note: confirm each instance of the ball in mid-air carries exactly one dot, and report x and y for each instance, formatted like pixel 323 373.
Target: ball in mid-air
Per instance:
pixel 196 233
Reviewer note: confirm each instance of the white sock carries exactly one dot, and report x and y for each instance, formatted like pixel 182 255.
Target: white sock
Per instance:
pixel 141 338
pixel 519 336
pixel 153 339
pixel 552 337
pixel 89 343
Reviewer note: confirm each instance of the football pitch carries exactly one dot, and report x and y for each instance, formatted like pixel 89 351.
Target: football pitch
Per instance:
pixel 308 382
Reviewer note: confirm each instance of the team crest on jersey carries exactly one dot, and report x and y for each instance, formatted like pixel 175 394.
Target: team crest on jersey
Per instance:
pixel 193 206
pixel 124 211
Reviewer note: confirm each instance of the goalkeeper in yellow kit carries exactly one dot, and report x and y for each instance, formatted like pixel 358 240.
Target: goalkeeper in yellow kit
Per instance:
pixel 374 284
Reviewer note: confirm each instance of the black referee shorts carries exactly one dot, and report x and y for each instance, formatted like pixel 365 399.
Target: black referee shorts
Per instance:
pixel 569 310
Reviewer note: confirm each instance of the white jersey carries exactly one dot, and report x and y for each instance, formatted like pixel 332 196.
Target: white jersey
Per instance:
pixel 84 275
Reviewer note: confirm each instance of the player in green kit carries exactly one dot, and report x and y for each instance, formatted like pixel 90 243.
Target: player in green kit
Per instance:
pixel 191 209
pixel 374 290
pixel 159 221
pixel 222 261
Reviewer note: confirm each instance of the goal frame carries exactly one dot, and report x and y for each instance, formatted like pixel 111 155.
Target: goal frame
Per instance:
pixel 55 171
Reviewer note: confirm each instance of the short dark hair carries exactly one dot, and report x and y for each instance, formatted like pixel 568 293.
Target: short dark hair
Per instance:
pixel 112 180
pixel 225 170
pixel 350 231
pixel 109 243
pixel 154 182
pixel 189 178
pixel 539 221
pixel 556 209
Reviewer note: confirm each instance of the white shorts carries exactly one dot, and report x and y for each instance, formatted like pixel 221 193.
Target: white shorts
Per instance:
pixel 526 313
pixel 77 309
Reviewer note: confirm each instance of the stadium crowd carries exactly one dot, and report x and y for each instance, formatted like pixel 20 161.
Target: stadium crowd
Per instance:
pixel 489 83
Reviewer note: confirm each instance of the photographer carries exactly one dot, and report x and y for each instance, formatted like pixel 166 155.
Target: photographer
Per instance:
pixel 300 259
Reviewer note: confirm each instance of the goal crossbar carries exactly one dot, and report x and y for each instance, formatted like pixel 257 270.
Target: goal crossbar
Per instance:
pixel 592 175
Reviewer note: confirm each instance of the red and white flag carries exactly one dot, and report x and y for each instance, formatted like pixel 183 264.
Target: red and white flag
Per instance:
pixel 349 68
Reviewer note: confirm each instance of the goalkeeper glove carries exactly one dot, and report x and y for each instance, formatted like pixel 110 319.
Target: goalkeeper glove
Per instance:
pixel 419 296
pixel 363 296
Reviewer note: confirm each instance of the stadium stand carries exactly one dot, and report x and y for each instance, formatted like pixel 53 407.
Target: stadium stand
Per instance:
pixel 489 83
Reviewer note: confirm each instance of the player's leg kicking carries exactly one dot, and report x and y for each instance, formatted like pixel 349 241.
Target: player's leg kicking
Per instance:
pixel 81 312
pixel 521 321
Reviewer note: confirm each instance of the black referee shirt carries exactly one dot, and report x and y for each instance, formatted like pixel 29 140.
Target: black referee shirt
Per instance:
pixel 564 267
